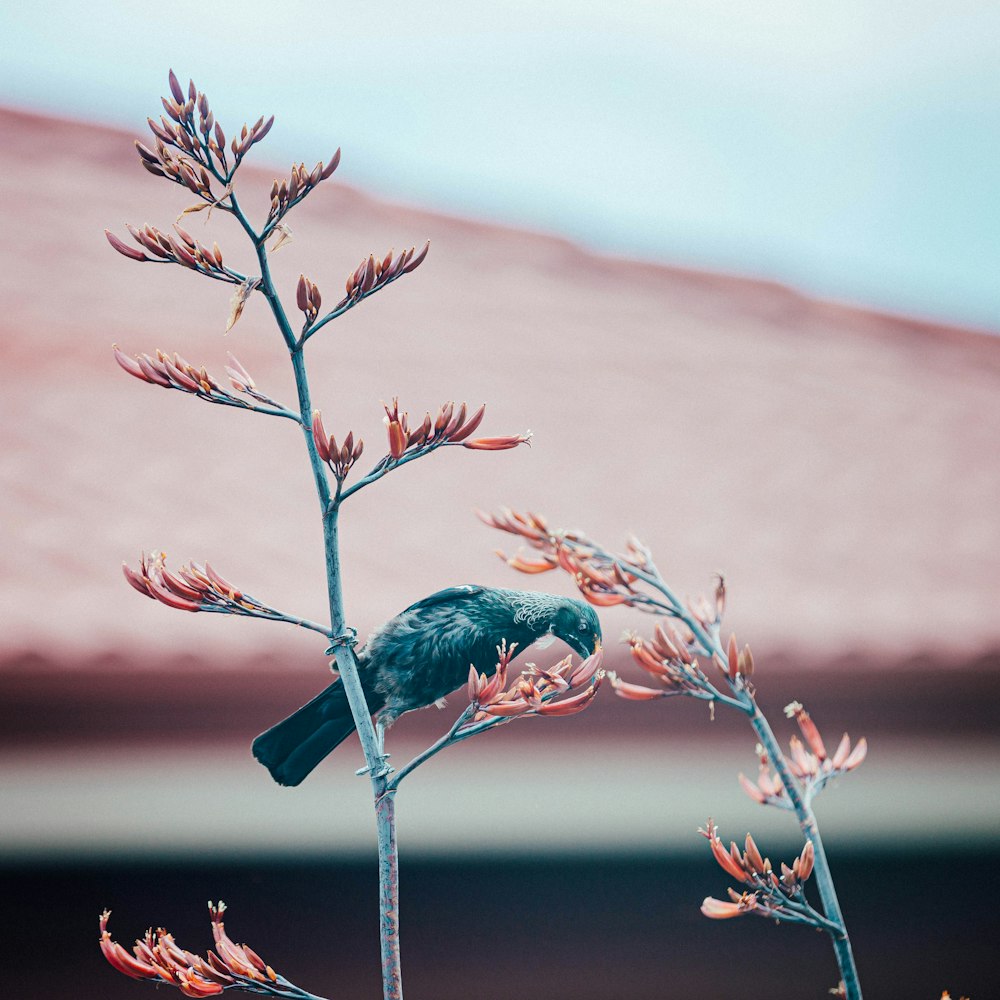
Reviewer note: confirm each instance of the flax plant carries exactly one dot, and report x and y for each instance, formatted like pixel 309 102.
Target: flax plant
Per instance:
pixel 687 635
pixel 190 149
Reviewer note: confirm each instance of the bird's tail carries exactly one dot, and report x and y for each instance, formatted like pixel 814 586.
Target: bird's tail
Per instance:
pixel 292 748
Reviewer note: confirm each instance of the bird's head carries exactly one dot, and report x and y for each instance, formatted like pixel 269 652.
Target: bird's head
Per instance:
pixel 577 625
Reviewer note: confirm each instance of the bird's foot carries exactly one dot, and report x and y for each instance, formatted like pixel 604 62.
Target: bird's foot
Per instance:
pixel 349 637
pixel 382 768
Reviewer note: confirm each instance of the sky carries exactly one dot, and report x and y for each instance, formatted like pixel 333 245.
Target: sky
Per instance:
pixel 851 150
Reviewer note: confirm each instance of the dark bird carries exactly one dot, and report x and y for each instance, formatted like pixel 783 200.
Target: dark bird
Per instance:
pixel 418 657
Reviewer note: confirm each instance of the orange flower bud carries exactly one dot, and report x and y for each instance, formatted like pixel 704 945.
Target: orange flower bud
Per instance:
pixel 495 685
pixel 603 599
pixel 806 860
pixel 718 909
pixel 634 692
pixel 803 764
pixel 841 754
pixel 810 733
pixel 221 584
pixel 571 705
pixel 320 438
pixel 734 658
pixel 751 789
pixel 726 861
pixel 164 596
pixel 645 658
pixel 476 683
pixel 418 260
pixel 587 669
pixel 331 166
pixel 857 755
pixel 136 581
pixel 397 439
pixel 753 855
pixel 497 443
pixel 511 708
pixel 175 87
pixel 524 564
pixel 123 248
pixel 462 432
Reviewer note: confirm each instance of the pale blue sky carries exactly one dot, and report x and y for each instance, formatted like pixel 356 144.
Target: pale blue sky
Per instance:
pixel 850 149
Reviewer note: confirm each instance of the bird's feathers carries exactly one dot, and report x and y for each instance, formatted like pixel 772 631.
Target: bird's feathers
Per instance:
pixel 447 596
pixel 293 747
pixel 420 656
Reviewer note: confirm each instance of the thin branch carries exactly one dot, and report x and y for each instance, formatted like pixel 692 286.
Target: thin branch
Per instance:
pixel 341 641
pixel 342 308
pixel 387 465
pixel 605 578
pixel 269 615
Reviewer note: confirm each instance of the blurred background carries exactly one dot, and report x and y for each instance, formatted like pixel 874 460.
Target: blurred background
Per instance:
pixel 737 270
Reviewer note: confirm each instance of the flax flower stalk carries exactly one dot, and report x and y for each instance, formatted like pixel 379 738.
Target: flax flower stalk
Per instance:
pixel 341 648
pixel 191 149
pixel 632 579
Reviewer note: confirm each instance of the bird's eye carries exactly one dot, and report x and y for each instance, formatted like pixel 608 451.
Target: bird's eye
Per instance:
pixel 583 626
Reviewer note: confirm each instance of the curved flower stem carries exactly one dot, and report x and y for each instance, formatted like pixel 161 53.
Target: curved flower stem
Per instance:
pixel 435 748
pixel 268 616
pixel 824 878
pixel 341 309
pixel 384 467
pixel 342 642
pixel 268 410
pixel 799 801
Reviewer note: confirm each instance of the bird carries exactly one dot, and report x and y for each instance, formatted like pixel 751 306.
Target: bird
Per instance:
pixel 418 657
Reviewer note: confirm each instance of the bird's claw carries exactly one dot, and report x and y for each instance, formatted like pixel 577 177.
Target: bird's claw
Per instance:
pixel 349 637
pixel 381 770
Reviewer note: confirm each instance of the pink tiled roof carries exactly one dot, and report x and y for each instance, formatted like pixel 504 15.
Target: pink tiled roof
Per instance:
pixel 842 467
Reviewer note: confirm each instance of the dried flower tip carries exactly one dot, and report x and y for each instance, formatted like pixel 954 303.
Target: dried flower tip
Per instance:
pixel 240 297
pixel 733 658
pixel 284 236
pixel 238 375
pixel 720 597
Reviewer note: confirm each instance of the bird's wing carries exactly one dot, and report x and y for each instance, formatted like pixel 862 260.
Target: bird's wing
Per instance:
pixel 449 595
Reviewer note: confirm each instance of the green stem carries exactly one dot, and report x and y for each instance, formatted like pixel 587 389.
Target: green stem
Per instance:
pixel 343 653
pixel 388 899
pixel 821 868
pixel 445 741
pixel 713 647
